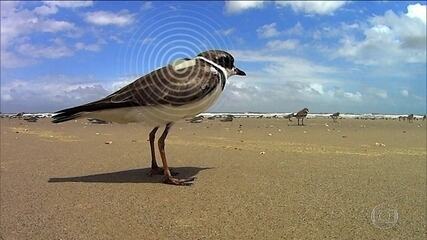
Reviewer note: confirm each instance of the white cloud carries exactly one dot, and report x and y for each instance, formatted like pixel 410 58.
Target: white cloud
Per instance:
pixel 417 11
pixel 389 39
pixel 8 7
pixel 296 81
pixel 240 6
pixel 268 30
pixel 12 60
pixel 46 10
pixel 56 26
pixel 146 5
pixel 297 29
pixel 404 92
pixel 17 25
pixel 286 67
pixel 382 94
pixel 313 7
pixel 316 87
pixel 148 40
pixel 357 96
pixel 51 7
pixel 282 45
pixel 49 93
pixel 94 47
pixel 56 49
pixel 225 32
pixel 69 4
pixel 376 92
pixel 308 7
pixel 53 51
pixel 104 18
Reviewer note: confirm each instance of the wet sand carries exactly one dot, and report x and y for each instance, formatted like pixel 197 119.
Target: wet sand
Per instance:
pixel 268 179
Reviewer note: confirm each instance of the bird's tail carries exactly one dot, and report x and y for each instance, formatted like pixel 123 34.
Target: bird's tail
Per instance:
pixel 63 117
pixel 68 114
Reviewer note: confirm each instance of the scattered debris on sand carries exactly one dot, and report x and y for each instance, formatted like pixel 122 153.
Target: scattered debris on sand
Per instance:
pixel 379 144
pixel 228 118
pixel 97 121
pixel 197 119
pixel 31 118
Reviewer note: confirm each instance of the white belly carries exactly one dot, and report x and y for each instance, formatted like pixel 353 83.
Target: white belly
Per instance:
pixel 156 115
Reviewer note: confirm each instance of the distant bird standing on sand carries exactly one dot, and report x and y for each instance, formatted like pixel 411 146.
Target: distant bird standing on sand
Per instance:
pixel 301 115
pixel 410 117
pixel 335 116
pixel 177 91
pixel 289 117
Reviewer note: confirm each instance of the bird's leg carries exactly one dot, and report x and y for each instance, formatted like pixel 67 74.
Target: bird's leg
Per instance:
pixel 153 152
pixel 155 169
pixel 302 121
pixel 298 121
pixel 169 179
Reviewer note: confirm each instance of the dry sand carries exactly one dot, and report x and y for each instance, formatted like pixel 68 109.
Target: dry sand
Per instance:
pixel 63 182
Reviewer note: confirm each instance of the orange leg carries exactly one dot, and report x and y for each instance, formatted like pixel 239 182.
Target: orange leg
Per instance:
pixel 153 152
pixel 168 176
pixel 155 169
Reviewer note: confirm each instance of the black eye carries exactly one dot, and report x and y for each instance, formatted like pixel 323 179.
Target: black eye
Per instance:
pixel 226 62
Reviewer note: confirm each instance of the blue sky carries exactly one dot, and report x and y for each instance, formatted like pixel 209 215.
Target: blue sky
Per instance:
pixel 327 56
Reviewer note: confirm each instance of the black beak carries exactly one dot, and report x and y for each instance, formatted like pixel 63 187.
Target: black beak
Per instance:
pixel 239 72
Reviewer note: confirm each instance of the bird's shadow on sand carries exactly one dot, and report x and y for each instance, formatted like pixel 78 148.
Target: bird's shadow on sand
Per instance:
pixel 129 176
pixel 296 125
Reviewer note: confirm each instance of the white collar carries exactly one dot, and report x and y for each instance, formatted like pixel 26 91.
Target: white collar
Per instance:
pixel 214 64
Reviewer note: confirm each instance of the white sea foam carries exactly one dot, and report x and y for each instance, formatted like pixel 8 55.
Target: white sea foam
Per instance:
pixel 264 115
pixel 310 115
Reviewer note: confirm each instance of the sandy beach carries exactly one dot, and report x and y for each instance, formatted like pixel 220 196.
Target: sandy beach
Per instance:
pixel 256 179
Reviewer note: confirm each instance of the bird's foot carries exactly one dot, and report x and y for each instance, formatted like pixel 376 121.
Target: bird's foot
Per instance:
pixel 181 182
pixel 159 171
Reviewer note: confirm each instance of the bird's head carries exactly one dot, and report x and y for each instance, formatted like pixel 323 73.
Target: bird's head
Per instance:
pixel 224 59
pixel 305 110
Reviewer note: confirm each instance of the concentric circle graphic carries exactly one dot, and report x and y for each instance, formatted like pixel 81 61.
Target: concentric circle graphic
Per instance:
pixel 165 38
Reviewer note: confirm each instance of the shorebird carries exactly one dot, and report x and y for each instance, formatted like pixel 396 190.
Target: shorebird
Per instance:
pixel 289 116
pixel 335 116
pixel 301 115
pixel 410 117
pixel 179 90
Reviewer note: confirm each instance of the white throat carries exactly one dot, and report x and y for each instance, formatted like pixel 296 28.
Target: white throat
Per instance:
pixel 216 65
